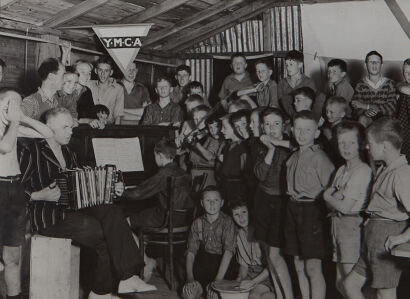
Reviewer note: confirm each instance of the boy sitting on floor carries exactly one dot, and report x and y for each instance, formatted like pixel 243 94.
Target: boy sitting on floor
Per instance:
pixel 211 245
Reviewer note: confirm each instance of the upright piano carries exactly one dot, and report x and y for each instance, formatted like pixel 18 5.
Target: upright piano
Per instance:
pixel 81 143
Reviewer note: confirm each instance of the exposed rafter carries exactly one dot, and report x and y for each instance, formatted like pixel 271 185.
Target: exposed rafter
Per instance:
pixel 194 19
pixel 73 12
pixel 4 3
pixel 193 36
pixel 399 15
pixel 153 11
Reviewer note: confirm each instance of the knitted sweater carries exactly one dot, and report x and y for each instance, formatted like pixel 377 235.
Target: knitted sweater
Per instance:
pixel 382 98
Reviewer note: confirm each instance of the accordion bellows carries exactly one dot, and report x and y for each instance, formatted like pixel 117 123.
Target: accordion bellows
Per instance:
pixel 87 187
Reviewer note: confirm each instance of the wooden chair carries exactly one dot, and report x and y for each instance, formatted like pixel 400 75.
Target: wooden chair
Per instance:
pixel 168 234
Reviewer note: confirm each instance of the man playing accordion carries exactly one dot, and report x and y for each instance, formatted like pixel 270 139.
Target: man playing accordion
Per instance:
pixel 102 228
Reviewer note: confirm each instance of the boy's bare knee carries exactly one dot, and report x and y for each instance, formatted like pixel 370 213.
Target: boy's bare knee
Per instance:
pixel 313 268
pixel 11 256
pixel 350 285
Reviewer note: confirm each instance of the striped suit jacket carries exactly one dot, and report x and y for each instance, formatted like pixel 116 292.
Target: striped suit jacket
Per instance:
pixel 40 168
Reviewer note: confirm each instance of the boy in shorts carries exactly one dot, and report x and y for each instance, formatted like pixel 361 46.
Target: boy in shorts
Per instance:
pixel 12 196
pixel 389 209
pixel 308 174
pixel 347 197
pixel 211 245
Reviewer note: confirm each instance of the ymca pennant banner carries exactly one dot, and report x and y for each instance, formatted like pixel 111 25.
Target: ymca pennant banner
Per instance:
pixel 122 41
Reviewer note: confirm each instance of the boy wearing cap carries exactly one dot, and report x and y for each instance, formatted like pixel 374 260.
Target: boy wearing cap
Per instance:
pixel 295 78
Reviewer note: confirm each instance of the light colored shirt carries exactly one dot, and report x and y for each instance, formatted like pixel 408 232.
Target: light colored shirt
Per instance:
pixel 390 197
pixel 308 172
pixel 37 103
pixel 111 96
pixel 354 184
pixel 215 237
pixel 249 253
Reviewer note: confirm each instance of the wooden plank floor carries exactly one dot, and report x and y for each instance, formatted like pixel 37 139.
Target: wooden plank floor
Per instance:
pixel 164 292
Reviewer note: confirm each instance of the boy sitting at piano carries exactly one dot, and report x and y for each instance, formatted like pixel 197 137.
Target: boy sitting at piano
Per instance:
pixel 12 199
pixel 156 187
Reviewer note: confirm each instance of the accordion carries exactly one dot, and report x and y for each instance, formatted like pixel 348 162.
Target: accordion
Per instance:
pixel 88 186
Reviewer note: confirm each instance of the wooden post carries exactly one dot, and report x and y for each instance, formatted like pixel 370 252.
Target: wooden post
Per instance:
pixel 267 31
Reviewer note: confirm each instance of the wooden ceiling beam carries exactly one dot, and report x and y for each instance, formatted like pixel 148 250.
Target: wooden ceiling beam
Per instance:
pixel 250 10
pixel 399 15
pixel 194 19
pixel 152 11
pixel 4 3
pixel 73 12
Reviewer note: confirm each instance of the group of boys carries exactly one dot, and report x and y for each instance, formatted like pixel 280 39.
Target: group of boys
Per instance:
pixel 212 236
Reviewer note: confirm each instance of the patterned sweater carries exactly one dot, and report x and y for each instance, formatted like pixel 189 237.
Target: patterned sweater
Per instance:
pixel 381 98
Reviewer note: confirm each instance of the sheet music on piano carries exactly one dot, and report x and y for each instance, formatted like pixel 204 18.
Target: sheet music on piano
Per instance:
pixel 125 153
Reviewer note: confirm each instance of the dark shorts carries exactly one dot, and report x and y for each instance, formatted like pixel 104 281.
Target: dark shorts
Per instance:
pixel 305 230
pixel 375 262
pixel 269 218
pixel 12 213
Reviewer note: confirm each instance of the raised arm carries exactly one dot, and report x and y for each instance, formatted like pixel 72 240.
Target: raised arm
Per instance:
pixel 37 129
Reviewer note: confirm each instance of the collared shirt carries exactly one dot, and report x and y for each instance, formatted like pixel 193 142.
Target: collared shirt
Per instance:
pixel 341 89
pixel 231 84
pixel 354 184
pixel 215 237
pixel 380 96
pixel 284 90
pixel 390 197
pixel 137 97
pixel 37 103
pixel 268 96
pixel 308 172
pixel 249 253
pixel 154 114
pixel 376 85
pixel 68 101
pixel 111 95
